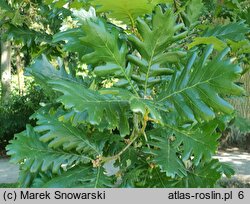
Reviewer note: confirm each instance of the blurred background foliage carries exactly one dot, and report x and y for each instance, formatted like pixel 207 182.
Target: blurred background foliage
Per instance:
pixel 15 114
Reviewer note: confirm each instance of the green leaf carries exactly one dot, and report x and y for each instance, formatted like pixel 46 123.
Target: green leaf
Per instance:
pixel 37 155
pixel 231 31
pixel 138 105
pixel 5 6
pixel 193 10
pixel 165 154
pixel 43 71
pixel 132 177
pixel 196 92
pixel 240 47
pixel 80 177
pixel 109 51
pixel 126 11
pixel 243 124
pixel 99 107
pixel 48 1
pixel 58 134
pixel 72 40
pixel 203 176
pixel 154 178
pixel 218 44
pixel 104 42
pixel 25 178
pixel 60 3
pixel 227 169
pixel 27 35
pixel 201 143
pixel 77 4
pixel 17 19
pixel 152 45
pixel 244 14
pixel 141 175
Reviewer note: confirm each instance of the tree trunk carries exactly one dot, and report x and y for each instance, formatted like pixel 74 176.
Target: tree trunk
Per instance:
pixel 242 105
pixel 5 71
pixel 20 77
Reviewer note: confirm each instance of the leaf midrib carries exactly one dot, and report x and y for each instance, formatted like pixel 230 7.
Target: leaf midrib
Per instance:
pixel 118 63
pixel 183 133
pixel 190 87
pixel 57 152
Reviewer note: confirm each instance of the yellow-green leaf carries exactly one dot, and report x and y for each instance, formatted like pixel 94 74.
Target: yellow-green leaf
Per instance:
pixel 218 44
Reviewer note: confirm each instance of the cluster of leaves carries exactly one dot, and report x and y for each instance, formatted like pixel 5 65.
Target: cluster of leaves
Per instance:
pixel 31 25
pixel 154 125
pixel 233 17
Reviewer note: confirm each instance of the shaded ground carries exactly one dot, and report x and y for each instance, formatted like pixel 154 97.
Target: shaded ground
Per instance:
pixel 8 172
pixel 238 159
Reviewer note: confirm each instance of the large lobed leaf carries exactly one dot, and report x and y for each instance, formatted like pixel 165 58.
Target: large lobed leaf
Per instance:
pixel 79 177
pixel 152 44
pixel 193 5
pixel 104 41
pixel 109 52
pixel 99 108
pixel 203 176
pixel 217 43
pixel 232 31
pixel 219 36
pixel 72 39
pixel 126 11
pixel 27 35
pixel 200 143
pixel 165 154
pixel 43 71
pixel 196 92
pixel 37 156
pixel 58 134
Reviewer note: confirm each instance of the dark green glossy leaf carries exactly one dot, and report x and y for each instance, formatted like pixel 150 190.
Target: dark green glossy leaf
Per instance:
pixel 203 176
pixel 80 177
pixel 196 91
pixel 38 156
pixel 231 31
pixel 152 45
pixel 165 154
pixel 98 107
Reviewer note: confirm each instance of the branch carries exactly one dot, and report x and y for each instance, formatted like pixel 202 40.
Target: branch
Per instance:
pixel 133 136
